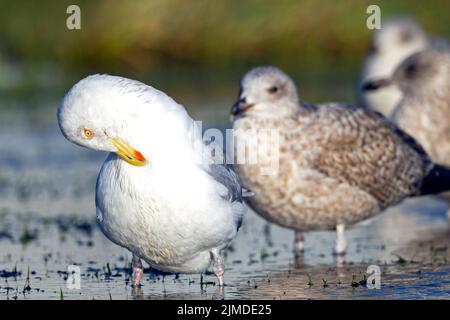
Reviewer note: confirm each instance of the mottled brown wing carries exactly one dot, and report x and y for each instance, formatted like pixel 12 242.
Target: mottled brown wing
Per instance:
pixel 363 149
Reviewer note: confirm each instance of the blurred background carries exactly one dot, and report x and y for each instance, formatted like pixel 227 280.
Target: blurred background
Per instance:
pixel 195 51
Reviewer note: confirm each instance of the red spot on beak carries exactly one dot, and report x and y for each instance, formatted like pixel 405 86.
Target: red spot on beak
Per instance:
pixel 139 155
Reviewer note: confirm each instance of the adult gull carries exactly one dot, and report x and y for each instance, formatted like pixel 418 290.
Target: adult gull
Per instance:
pixel 158 194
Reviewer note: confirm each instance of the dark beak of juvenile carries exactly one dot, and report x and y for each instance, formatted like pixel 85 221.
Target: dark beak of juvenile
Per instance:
pixel 376 84
pixel 240 106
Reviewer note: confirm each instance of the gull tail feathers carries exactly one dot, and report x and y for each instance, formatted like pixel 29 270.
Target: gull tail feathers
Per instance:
pixel 436 181
pixel 247 193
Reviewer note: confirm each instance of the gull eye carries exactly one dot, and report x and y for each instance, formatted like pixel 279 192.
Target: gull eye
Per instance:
pixel 373 49
pixel 406 36
pixel 88 133
pixel 273 89
pixel 411 70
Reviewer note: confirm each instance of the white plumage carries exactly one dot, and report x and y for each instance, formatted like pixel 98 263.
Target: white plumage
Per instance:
pixel 172 208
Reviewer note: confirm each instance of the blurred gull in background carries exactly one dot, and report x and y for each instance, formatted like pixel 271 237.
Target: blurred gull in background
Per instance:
pixel 398 38
pixel 424 111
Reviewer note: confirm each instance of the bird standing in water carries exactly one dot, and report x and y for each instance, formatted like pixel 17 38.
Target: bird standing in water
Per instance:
pixel 157 194
pixel 338 165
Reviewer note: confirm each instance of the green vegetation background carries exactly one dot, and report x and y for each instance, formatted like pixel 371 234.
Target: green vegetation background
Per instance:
pixel 188 43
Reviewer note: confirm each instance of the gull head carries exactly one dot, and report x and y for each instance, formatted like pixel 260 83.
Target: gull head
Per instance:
pixel 115 114
pixel 426 71
pixel 265 92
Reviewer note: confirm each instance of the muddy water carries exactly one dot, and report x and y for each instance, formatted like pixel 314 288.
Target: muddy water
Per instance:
pixel 47 223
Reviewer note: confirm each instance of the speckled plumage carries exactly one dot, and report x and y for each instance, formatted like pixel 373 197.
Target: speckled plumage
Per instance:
pixel 337 164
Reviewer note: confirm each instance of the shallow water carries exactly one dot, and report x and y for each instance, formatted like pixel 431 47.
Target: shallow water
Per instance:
pixel 47 223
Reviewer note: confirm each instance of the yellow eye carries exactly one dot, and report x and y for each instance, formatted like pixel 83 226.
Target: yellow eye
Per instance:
pixel 88 133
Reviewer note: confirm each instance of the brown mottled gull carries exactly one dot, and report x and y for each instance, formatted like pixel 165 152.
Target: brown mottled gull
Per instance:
pixel 338 165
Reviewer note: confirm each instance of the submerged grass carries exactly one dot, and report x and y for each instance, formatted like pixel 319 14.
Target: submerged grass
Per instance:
pixel 27 286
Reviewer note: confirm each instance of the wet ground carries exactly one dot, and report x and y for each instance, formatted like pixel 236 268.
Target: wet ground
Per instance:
pixel 47 223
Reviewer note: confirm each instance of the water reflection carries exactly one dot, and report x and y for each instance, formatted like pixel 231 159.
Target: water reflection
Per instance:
pixel 47 221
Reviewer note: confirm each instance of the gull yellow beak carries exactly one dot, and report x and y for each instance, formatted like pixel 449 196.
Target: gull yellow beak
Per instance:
pixel 128 154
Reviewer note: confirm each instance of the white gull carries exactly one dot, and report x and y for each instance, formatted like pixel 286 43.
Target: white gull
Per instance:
pixel 157 194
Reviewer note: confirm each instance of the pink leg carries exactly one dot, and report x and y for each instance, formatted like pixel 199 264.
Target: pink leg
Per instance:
pixel 299 242
pixel 218 267
pixel 341 243
pixel 138 271
pixel 299 249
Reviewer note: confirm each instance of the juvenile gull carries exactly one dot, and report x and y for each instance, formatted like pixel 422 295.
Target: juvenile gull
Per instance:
pixel 338 165
pixel 156 194
pixel 398 38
